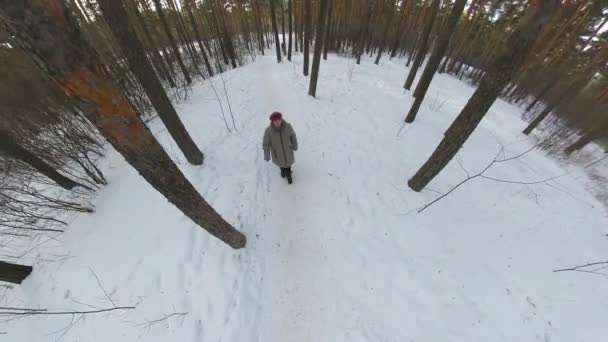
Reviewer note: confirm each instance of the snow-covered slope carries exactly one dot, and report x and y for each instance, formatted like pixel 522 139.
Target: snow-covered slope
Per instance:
pixel 342 254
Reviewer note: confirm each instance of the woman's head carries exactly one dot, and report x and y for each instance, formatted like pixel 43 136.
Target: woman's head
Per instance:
pixel 276 119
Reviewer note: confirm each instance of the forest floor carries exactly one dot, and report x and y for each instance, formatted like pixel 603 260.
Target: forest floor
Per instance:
pixel 342 254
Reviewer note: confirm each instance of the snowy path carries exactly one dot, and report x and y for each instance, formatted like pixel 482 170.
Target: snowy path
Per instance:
pixel 340 255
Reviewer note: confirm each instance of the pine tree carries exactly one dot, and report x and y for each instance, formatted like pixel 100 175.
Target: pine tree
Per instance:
pixel 422 48
pixel 172 42
pixel 497 77
pixel 316 59
pixel 12 148
pixel 432 65
pixel 118 20
pixel 307 33
pixel 45 29
pixel 275 29
pixel 290 15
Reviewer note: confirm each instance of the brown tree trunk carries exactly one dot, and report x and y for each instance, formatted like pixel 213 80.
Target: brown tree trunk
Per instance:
pixel 579 143
pixel 118 20
pixel 316 59
pixel 422 48
pixel 275 29
pixel 327 29
pixel 14 273
pixel 197 35
pixel 284 43
pixel 307 34
pixel 178 56
pixel 497 77
pixel 384 37
pixel 290 20
pixel 45 28
pixel 13 149
pixel 441 46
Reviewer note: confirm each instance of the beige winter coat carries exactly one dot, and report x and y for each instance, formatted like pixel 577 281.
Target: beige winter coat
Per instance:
pixel 280 143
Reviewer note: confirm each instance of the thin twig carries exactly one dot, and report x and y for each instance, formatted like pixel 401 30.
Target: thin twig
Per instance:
pixel 102 288
pixel 577 268
pixel 150 323
pixel 52 313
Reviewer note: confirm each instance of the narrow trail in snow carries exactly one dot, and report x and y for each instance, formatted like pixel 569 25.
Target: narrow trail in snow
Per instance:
pixel 284 245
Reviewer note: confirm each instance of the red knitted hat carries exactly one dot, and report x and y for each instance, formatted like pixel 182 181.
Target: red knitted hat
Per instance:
pixel 276 116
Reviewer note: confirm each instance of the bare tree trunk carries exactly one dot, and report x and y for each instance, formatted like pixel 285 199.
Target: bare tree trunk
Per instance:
pixel 326 40
pixel 422 48
pixel 441 46
pixel 45 28
pixel 178 56
pixel 197 35
pixel 290 14
pixel 118 20
pixel 275 29
pixel 12 148
pixel 284 43
pixel 497 77
pixel 14 273
pixel 316 59
pixel 307 33
pixel 387 26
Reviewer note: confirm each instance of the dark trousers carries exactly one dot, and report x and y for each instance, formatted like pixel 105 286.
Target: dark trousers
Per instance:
pixel 285 171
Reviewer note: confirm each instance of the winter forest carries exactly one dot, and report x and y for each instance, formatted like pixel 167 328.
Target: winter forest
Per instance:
pixel 303 170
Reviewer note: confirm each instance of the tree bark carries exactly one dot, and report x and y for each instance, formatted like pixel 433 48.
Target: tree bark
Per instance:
pixel 290 14
pixel 327 29
pixel 384 37
pixel 275 29
pixel 284 43
pixel 441 46
pixel 497 77
pixel 12 148
pixel 14 273
pixel 178 56
pixel 45 28
pixel 197 35
pixel 316 59
pixel 424 41
pixel 117 18
pixel 307 34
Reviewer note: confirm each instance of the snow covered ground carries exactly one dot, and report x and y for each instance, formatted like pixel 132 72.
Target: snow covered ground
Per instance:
pixel 342 254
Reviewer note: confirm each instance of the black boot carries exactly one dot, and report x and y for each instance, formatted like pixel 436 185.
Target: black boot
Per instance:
pixel 288 174
pixel 283 172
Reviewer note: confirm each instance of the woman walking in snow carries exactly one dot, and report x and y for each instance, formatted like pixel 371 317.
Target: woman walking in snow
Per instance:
pixel 280 142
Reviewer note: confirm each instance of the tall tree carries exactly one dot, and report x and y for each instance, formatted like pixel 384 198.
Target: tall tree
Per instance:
pixel 284 43
pixel 118 20
pixel 307 33
pixel 290 15
pixel 512 56
pixel 12 148
pixel 388 13
pixel 46 30
pixel 432 65
pixel 422 47
pixel 316 59
pixel 190 4
pixel 275 29
pixel 172 42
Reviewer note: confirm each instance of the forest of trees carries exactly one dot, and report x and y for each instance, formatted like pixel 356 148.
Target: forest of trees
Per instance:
pixel 78 73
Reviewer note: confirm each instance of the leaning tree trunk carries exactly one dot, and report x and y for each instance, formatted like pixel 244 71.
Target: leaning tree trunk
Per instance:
pixel 307 34
pixel 316 59
pixel 497 77
pixel 424 41
pixel 117 18
pixel 12 148
pixel 275 28
pixel 441 46
pixel 172 43
pixel 14 273
pixel 45 28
